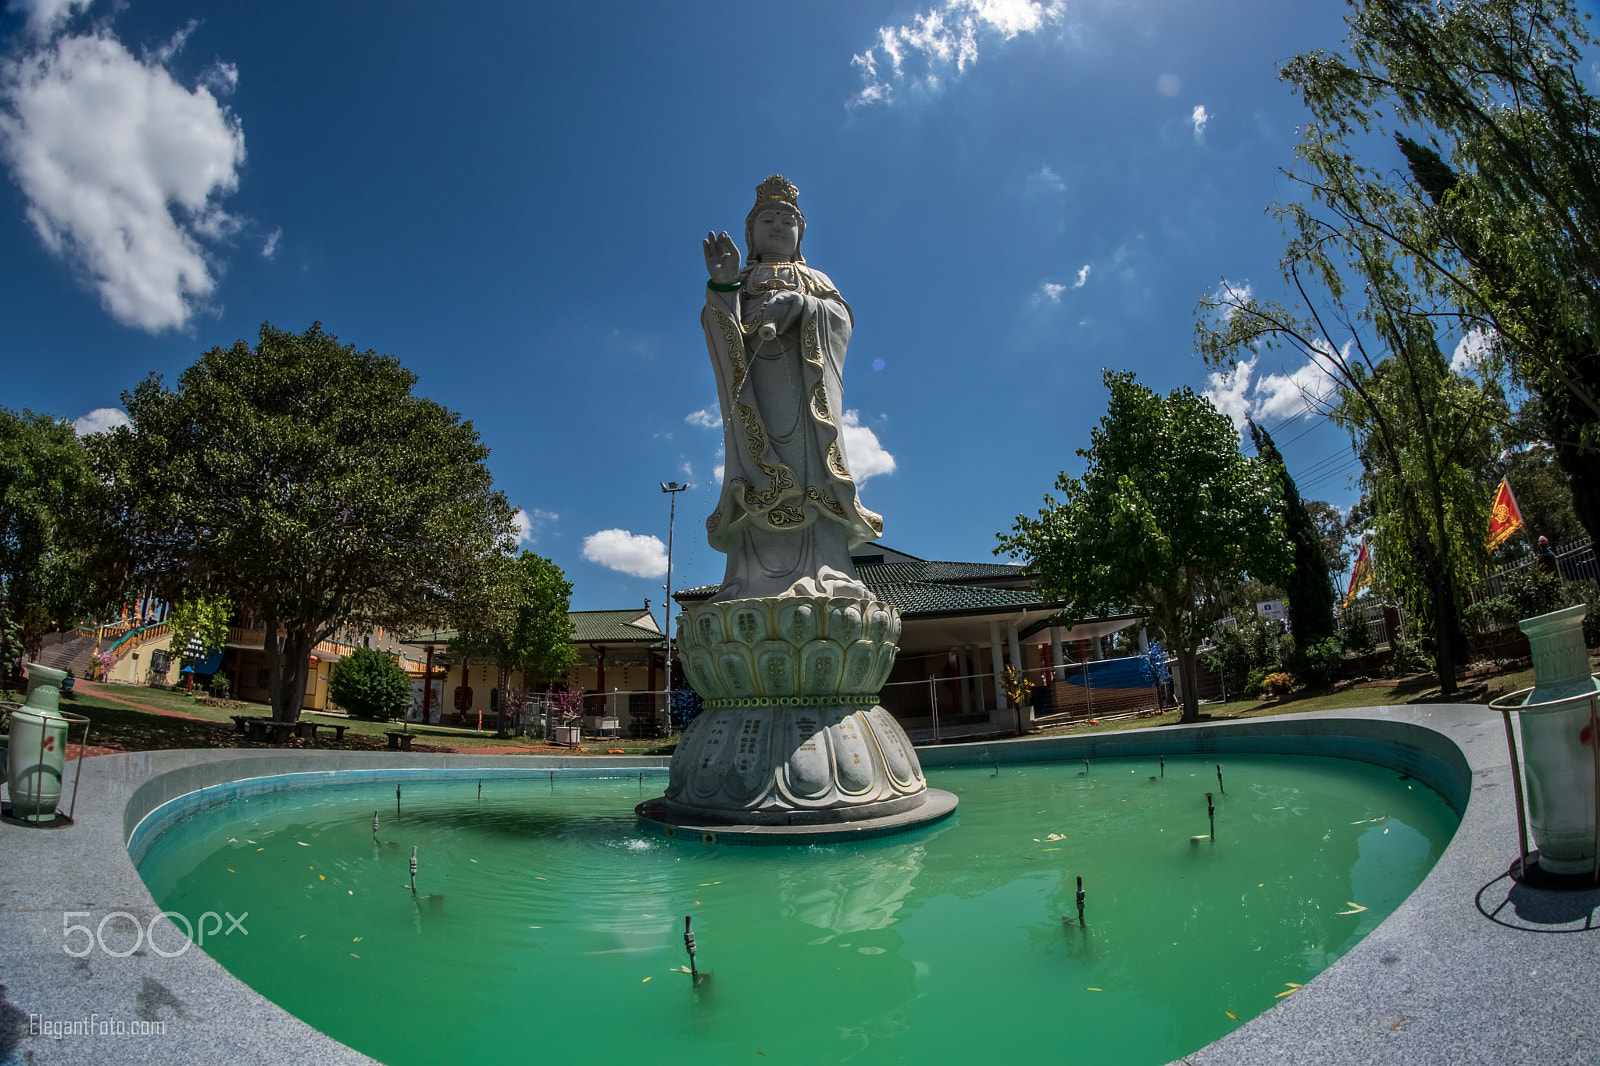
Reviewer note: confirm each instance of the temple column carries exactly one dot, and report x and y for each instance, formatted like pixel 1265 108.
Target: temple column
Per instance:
pixel 427 686
pixel 964 677
pixel 995 666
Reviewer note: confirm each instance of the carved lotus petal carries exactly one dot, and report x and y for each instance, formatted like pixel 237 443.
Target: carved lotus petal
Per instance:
pixel 777 668
pixel 735 670
pixel 854 766
pixel 821 667
pixel 701 670
pixel 748 622
pixel 845 623
pixel 707 625
pixel 797 622
pixel 878 620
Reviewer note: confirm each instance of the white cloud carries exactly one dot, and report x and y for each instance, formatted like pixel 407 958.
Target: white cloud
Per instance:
pixel 122 166
pixel 530 524
pixel 716 472
pixel 1471 351
pixel 944 36
pixel 269 247
pixel 631 553
pixel 45 16
pixel 1168 85
pixel 1050 179
pixel 1053 292
pixel 1229 392
pixel 1293 395
pixel 1199 118
pixel 1230 297
pixel 99 420
pixel 868 457
pixel 1083 276
pixel 708 417
pixel 1301 393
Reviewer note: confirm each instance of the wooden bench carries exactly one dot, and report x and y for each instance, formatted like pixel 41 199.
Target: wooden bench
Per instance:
pixel 399 741
pixel 280 731
pixel 239 721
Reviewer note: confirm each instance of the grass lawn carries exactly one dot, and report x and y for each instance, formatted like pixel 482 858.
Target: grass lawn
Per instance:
pixel 1368 694
pixel 136 718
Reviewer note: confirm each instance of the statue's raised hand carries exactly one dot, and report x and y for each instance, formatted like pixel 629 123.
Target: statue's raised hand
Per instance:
pixel 722 258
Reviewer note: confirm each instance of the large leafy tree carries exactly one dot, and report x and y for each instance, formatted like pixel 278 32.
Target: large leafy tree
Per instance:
pixel 532 630
pixel 1169 516
pixel 58 558
pixel 1306 581
pixel 1491 104
pixel 303 477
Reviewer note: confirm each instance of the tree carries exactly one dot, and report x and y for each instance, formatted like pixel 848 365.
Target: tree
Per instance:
pixel 1306 581
pixel 1508 180
pixel 303 477
pixel 203 619
pixel 57 557
pixel 1334 534
pixel 1169 515
pixel 370 684
pixel 533 631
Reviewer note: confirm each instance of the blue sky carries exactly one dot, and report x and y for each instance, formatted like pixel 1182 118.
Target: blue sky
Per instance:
pixel 510 198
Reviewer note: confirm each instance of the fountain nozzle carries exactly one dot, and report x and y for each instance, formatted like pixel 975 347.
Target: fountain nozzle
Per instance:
pixel 413 869
pixel 1080 900
pixel 1211 815
pixel 688 943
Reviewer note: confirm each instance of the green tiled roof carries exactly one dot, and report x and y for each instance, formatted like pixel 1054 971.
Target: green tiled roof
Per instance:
pixel 923 587
pixel 931 597
pixel 613 627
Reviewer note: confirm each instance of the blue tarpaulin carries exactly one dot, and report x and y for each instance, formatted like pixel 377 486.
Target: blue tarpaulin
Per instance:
pixel 209 666
pixel 1132 672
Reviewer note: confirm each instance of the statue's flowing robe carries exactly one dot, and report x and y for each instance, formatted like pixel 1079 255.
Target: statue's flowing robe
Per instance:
pixel 788 508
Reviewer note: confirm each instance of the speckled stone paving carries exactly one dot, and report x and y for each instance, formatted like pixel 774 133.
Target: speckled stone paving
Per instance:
pixel 1472 968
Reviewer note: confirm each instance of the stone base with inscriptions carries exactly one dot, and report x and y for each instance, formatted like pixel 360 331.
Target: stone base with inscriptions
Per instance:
pixel 791 733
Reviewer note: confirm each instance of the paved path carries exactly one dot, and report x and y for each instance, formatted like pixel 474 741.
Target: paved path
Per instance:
pixel 102 692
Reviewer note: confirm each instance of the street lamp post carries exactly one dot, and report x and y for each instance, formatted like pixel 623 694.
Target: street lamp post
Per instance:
pixel 671 488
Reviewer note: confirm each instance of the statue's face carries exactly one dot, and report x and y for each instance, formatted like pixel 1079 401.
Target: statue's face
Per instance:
pixel 776 233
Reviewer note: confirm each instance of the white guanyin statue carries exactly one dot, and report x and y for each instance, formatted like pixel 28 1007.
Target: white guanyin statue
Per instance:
pixel 777 331
pixel 790 653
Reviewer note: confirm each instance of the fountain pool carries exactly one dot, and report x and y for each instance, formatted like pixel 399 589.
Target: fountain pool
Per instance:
pixel 549 923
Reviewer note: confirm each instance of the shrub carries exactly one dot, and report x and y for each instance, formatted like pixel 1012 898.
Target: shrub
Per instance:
pixel 1253 683
pixel 1316 664
pixel 370 684
pixel 1278 684
pixel 566 706
pixel 219 685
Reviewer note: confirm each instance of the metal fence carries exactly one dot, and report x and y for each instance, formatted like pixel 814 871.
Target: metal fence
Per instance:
pixel 1575 560
pixel 1368 614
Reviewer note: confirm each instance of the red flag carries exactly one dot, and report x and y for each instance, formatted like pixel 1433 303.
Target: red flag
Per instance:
pixel 1504 517
pixel 1361 576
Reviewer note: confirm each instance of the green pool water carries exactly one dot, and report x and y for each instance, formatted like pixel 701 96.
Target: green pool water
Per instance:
pixel 549 925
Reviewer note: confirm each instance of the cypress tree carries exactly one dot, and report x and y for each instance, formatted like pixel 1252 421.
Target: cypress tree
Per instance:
pixel 1307 583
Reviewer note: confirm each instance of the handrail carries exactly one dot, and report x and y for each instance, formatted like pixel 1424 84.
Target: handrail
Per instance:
pixel 137 637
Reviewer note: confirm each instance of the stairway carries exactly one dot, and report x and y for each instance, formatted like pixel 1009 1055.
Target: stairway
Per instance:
pixel 67 651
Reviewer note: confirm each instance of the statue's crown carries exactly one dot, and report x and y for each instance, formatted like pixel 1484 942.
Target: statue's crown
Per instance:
pixel 777 188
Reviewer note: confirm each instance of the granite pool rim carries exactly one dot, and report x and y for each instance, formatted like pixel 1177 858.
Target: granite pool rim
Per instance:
pixel 1429 984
